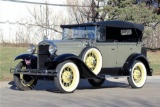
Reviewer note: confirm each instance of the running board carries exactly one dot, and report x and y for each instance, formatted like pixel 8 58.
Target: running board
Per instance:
pixel 114 77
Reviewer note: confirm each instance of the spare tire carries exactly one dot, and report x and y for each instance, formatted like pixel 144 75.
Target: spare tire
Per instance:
pixel 93 59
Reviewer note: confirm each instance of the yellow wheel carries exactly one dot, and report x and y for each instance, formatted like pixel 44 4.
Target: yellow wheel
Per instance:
pixel 24 82
pixel 138 75
pixel 93 59
pixel 68 77
pixel 27 80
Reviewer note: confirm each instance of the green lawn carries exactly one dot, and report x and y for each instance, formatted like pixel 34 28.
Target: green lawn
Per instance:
pixel 8 53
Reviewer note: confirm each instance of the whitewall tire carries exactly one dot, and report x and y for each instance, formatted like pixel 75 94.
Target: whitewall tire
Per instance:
pixel 138 75
pixel 93 59
pixel 68 77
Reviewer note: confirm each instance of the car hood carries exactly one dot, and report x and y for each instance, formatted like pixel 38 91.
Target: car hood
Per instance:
pixel 67 46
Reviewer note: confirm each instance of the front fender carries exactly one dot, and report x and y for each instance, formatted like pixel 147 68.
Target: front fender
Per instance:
pixel 130 61
pixel 26 56
pixel 85 72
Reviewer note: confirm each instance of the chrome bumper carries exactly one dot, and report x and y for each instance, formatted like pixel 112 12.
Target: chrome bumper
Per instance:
pixel 37 72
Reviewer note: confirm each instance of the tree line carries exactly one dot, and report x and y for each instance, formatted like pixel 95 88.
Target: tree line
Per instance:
pixel 146 12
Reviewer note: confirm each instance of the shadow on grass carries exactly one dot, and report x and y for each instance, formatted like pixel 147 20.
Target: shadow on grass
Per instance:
pixel 83 85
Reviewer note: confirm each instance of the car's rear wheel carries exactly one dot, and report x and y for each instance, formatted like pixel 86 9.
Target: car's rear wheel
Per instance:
pixel 93 59
pixel 68 77
pixel 24 82
pixel 96 82
pixel 138 75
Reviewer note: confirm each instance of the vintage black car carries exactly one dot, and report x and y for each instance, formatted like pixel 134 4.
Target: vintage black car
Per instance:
pixel 92 51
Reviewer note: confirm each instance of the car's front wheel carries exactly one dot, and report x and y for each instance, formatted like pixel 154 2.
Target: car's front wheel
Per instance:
pixel 24 82
pixel 138 75
pixel 68 77
pixel 96 82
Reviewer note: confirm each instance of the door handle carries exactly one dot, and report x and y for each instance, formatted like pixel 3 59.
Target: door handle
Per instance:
pixel 113 49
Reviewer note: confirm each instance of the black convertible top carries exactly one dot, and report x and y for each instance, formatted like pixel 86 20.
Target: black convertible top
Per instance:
pixel 111 23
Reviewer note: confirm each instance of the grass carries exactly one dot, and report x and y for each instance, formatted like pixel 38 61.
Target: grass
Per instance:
pixel 8 53
pixel 154 58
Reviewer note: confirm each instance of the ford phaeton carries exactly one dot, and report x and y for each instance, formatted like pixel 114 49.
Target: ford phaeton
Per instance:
pixel 92 51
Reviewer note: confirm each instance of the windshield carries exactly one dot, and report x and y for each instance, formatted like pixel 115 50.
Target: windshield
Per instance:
pixel 79 33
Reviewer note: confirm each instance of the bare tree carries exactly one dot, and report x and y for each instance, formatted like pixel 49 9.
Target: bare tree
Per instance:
pixel 46 20
pixel 88 13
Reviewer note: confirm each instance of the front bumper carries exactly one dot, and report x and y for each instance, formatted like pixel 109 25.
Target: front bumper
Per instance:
pixel 38 72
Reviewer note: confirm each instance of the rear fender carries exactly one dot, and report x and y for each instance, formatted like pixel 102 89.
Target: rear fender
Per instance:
pixel 85 72
pixel 130 61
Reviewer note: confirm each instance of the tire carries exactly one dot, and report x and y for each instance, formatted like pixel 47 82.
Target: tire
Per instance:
pixel 93 59
pixel 68 77
pixel 24 82
pixel 138 75
pixel 96 82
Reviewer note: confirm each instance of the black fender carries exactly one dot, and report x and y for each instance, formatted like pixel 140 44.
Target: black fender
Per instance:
pixel 28 57
pixel 85 72
pixel 130 61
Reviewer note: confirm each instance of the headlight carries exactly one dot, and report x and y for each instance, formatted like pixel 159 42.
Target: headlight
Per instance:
pixel 52 49
pixel 31 49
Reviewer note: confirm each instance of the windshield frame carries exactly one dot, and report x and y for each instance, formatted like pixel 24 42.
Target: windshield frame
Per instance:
pixel 87 31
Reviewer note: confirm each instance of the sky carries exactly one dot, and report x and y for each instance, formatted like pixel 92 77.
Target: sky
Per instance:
pixel 13 11
pixel 18 12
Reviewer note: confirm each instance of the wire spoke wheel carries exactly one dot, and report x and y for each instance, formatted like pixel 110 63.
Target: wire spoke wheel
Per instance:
pixel 137 74
pixel 68 77
pixel 24 82
pixel 27 80
pixel 93 59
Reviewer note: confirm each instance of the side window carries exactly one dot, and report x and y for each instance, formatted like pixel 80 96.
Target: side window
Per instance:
pixel 121 34
pixel 113 34
pixel 101 34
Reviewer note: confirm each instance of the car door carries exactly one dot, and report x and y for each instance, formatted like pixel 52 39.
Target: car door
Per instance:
pixel 109 53
pixel 107 47
pixel 125 49
pixel 127 44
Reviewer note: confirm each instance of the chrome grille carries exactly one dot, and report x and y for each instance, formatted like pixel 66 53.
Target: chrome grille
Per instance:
pixel 43 55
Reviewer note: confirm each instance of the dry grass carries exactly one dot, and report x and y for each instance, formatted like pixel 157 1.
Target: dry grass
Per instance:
pixel 154 58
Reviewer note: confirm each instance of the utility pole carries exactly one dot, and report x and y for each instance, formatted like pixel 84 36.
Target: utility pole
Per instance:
pixel 93 5
pixel 47 21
